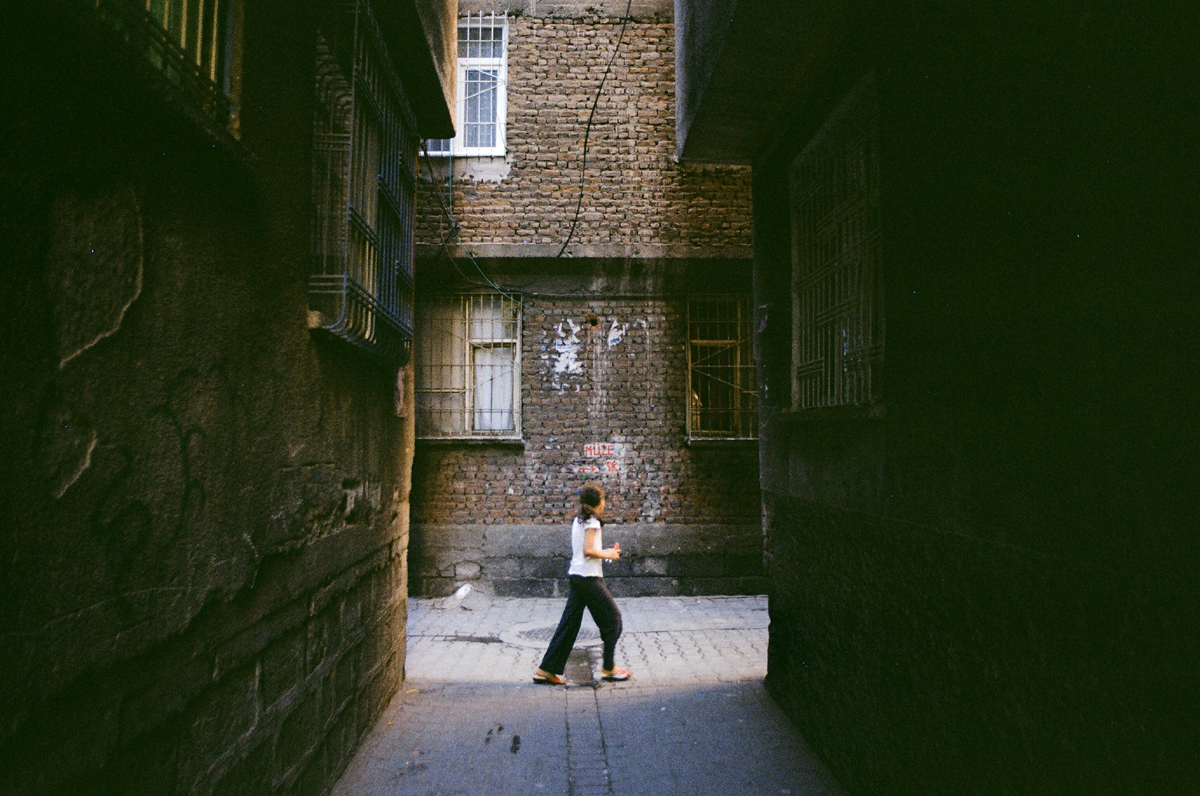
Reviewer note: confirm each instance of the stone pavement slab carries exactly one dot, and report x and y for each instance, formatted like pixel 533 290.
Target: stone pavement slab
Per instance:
pixel 695 718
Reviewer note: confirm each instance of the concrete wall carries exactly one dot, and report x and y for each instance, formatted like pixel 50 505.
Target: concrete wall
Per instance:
pixel 990 586
pixel 205 509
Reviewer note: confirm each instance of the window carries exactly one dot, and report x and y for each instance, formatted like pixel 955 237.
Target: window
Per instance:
pixel 191 43
pixel 364 156
pixel 482 88
pixel 837 324
pixel 723 389
pixel 468 371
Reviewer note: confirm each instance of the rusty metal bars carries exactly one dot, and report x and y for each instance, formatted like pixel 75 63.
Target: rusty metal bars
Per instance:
pixel 722 387
pixel 468 367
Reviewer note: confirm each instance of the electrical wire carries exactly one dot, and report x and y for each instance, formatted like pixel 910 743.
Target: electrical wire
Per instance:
pixel 454 227
pixel 588 129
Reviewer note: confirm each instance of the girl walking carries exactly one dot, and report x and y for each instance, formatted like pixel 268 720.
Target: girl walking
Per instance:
pixel 587 590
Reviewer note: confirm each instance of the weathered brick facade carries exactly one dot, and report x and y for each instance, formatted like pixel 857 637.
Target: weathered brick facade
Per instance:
pixel 649 234
pixel 686 516
pixel 633 191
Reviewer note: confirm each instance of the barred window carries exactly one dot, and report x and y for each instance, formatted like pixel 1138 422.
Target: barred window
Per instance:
pixel 482 88
pixel 837 333
pixel 468 367
pixel 723 389
pixel 364 157
pixel 190 42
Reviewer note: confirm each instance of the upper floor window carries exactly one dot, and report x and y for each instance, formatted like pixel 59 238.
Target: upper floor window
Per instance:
pixel 837 323
pixel 482 88
pixel 468 367
pixel 723 388
pixel 364 159
pixel 191 43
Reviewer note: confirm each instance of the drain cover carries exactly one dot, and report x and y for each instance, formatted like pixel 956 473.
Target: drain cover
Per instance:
pixel 544 634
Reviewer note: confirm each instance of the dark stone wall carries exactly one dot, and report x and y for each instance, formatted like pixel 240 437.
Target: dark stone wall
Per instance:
pixel 202 553
pixel 990 587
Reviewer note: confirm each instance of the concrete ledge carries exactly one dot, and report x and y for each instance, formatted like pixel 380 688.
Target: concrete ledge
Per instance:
pixel 597 251
pixel 531 560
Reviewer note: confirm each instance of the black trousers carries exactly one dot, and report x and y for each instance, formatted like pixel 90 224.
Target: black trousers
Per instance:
pixel 590 593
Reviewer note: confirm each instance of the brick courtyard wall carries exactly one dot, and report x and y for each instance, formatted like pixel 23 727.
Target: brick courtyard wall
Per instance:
pixel 499 514
pixel 634 192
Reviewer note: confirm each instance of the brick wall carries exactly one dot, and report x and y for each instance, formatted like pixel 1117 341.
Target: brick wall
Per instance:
pixel 687 516
pixel 498 515
pixel 633 192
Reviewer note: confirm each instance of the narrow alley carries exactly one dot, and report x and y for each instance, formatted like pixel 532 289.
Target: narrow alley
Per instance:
pixel 322 316
pixel 694 719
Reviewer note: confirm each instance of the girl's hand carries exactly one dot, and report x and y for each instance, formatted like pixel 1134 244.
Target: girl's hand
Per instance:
pixel 616 550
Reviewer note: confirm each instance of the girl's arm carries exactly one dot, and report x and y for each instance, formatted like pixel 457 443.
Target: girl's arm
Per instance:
pixel 590 550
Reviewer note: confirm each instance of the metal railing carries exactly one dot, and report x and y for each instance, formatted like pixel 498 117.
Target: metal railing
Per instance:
pixel 188 42
pixel 723 388
pixel 364 161
pixel 345 310
pixel 837 318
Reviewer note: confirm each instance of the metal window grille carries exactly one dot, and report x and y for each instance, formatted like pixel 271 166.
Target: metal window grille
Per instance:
pixel 364 159
pixel 468 367
pixel 189 42
pixel 482 78
pixel 723 389
pixel 838 324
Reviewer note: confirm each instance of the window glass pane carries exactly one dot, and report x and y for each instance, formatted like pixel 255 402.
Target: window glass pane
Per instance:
pixel 493 318
pixel 158 11
pixel 466 363
pixel 440 351
pixel 480 42
pixel 493 372
pixel 441 414
pixel 481 107
pixel 723 391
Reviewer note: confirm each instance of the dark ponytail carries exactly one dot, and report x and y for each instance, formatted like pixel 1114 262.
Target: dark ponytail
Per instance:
pixel 590 497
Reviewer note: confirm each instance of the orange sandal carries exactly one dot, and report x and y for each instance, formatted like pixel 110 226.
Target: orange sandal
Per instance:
pixel 616 675
pixel 548 678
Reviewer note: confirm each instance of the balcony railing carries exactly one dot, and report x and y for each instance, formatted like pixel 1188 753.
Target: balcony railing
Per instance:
pixel 339 306
pixel 188 42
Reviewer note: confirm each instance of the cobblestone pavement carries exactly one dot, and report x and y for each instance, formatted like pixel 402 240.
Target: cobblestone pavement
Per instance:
pixel 695 718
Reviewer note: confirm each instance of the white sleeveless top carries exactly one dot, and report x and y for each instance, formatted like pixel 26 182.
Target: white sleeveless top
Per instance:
pixel 580 564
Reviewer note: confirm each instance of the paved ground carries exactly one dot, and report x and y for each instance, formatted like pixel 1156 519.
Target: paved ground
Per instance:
pixel 694 719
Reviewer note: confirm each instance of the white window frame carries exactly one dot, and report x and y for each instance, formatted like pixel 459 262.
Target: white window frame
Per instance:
pixel 457 146
pixel 439 354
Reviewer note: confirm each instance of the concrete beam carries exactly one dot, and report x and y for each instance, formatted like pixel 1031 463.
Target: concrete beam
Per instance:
pixel 598 251
pixel 740 65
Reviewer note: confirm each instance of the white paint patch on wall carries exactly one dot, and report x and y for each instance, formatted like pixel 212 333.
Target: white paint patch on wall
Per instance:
pixel 567 347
